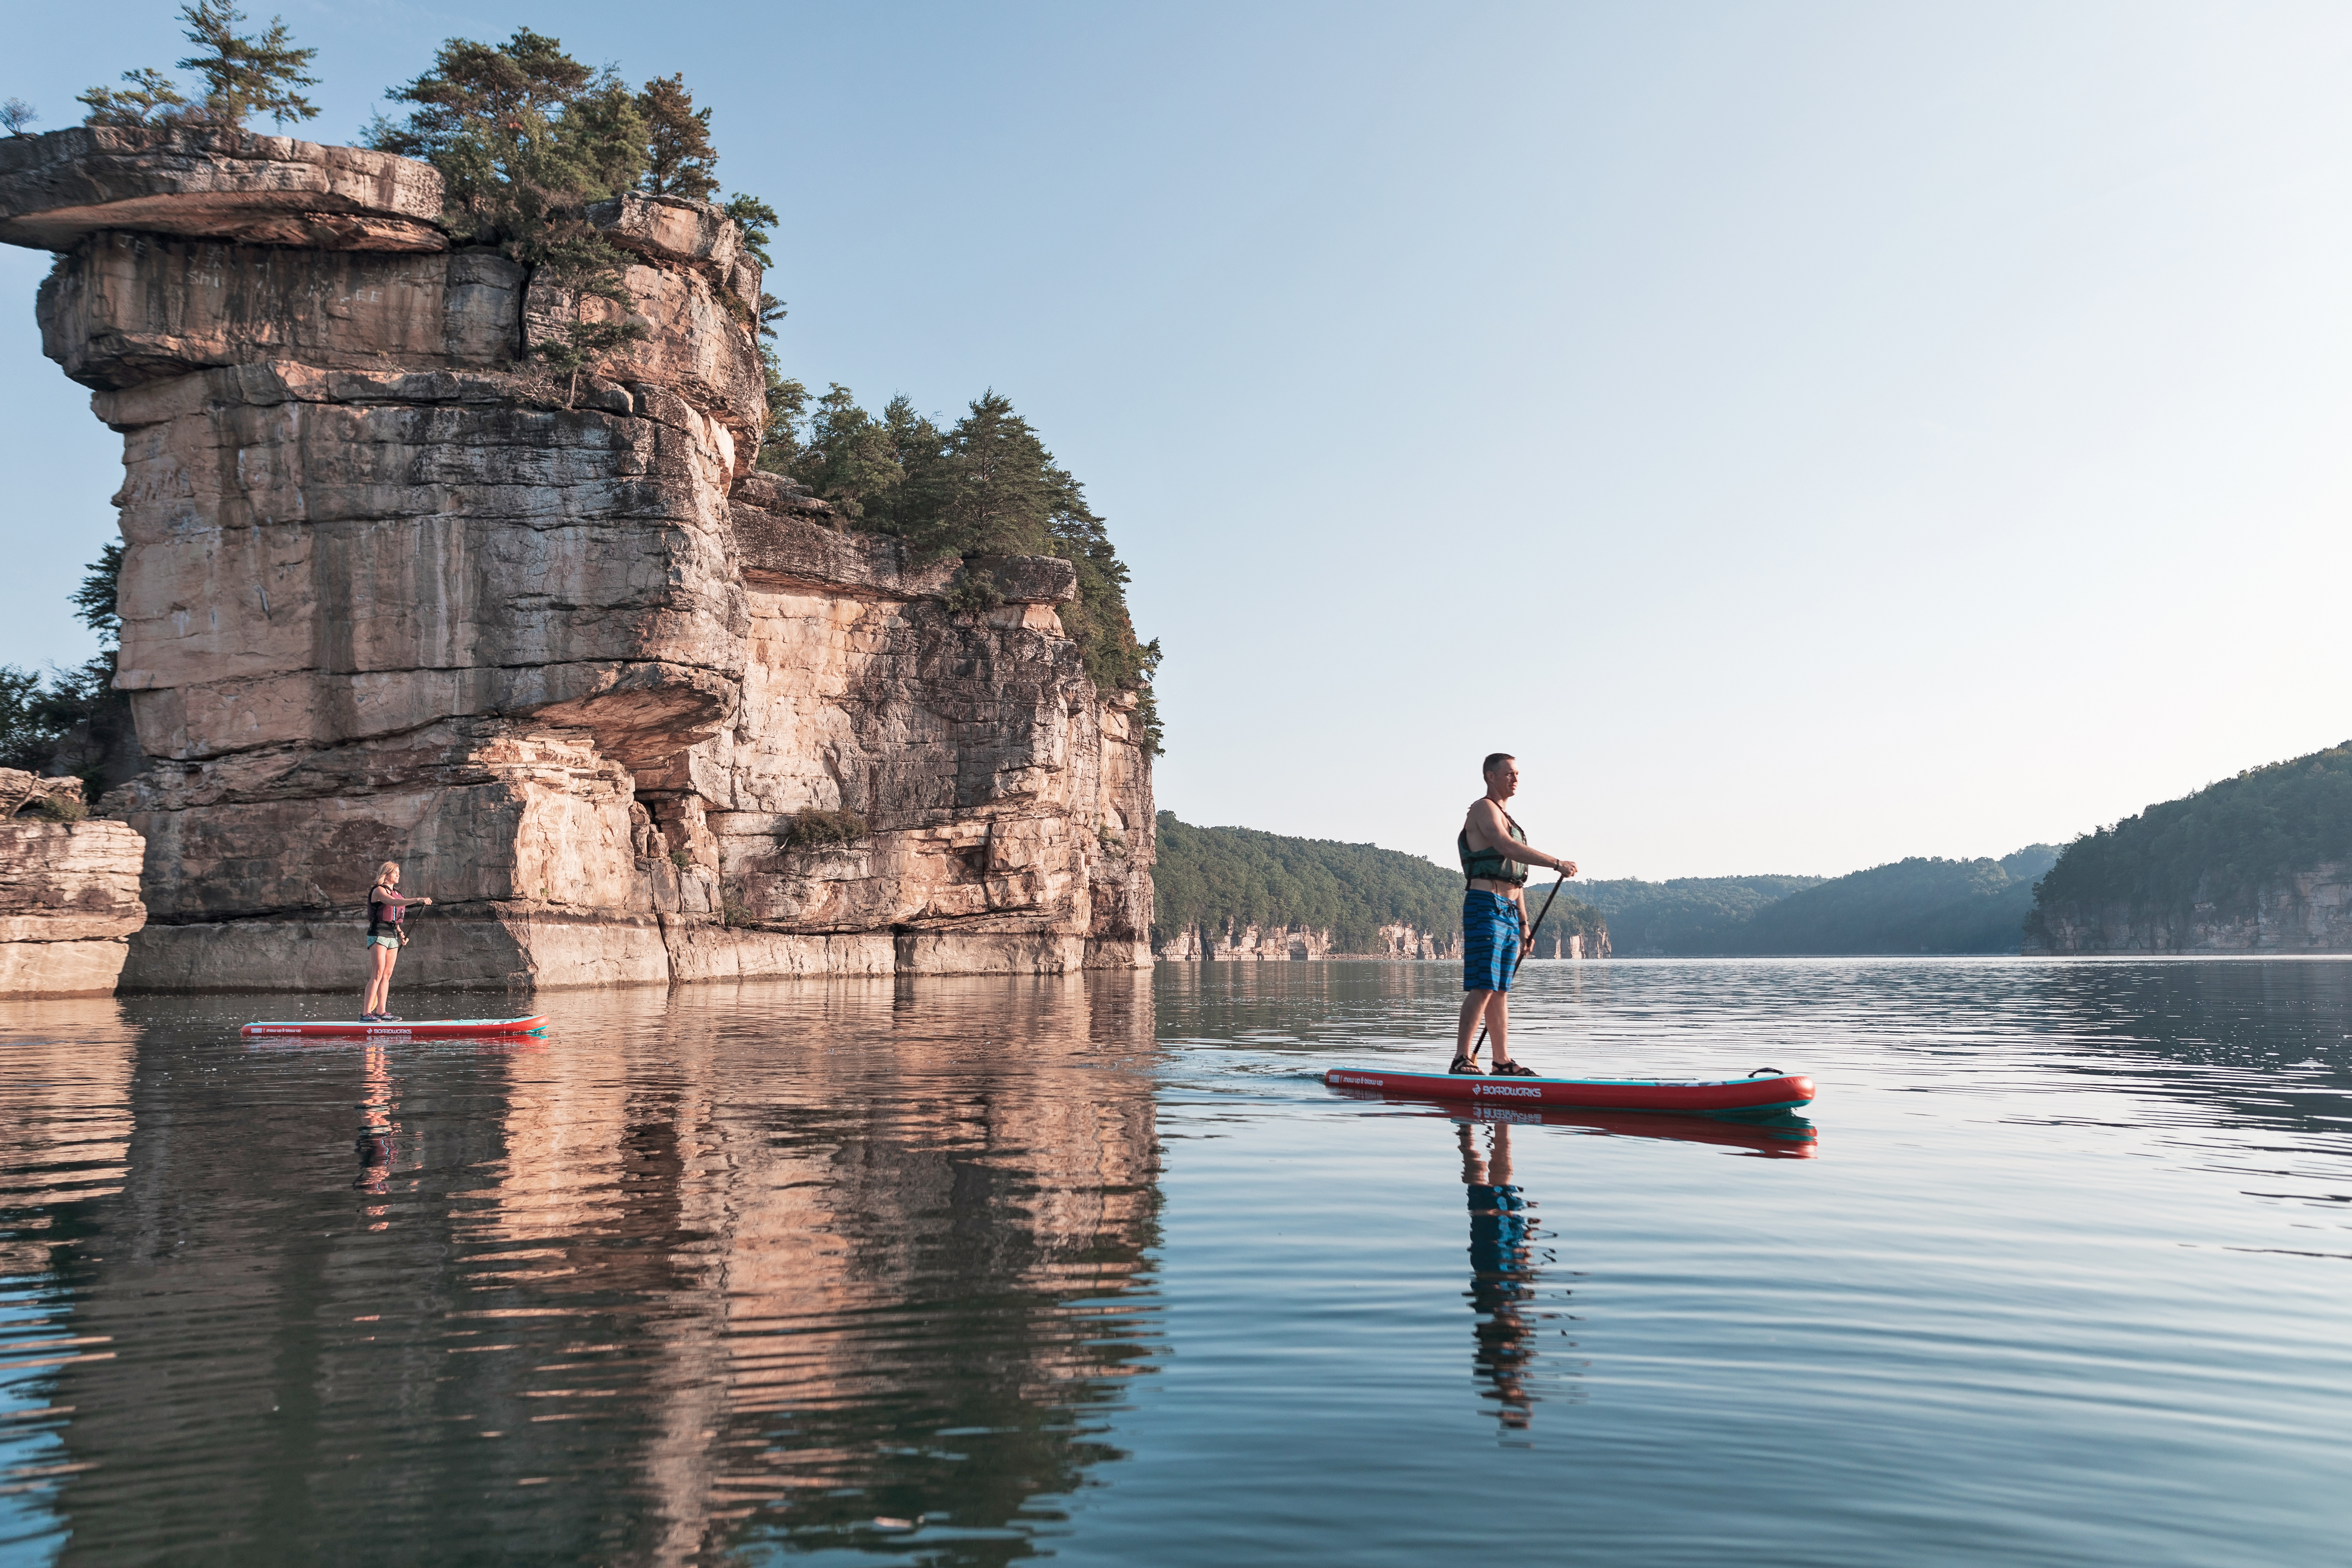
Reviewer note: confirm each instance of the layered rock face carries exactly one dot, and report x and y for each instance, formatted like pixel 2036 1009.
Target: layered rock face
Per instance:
pixel 69 893
pixel 391 595
pixel 1236 942
pixel 1559 943
pixel 1239 941
pixel 2307 911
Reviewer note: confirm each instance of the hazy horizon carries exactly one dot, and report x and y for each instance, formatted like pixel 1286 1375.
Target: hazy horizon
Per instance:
pixel 1808 438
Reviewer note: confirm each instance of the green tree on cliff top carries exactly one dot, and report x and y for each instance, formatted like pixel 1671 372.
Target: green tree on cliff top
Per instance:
pixel 985 485
pixel 680 158
pixel 526 137
pixel 243 75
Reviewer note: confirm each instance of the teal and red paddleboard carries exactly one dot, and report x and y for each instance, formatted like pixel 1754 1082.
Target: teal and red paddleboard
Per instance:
pixel 1704 1097
pixel 419 1029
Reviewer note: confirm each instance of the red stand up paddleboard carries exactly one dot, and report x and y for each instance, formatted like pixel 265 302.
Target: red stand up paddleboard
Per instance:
pixel 1788 1091
pixel 422 1029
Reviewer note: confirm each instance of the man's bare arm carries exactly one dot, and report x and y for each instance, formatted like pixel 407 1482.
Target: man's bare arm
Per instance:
pixel 1488 819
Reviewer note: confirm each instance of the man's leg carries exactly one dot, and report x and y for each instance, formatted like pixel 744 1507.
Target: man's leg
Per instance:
pixel 1498 1024
pixel 1473 1004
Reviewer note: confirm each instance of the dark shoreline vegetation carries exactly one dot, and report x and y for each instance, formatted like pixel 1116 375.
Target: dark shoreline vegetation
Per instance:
pixel 1209 876
pixel 2215 846
pixel 526 139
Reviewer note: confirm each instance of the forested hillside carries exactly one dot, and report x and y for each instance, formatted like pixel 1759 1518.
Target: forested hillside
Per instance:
pixel 1683 914
pixel 1918 905
pixel 2213 847
pixel 1212 875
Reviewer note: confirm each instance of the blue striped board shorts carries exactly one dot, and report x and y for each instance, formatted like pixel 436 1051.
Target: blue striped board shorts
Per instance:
pixel 1490 940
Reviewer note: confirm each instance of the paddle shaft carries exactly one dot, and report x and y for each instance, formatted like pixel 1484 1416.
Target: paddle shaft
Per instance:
pixel 1525 942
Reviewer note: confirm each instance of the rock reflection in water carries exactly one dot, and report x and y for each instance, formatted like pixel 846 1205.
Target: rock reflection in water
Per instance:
pixel 807 1265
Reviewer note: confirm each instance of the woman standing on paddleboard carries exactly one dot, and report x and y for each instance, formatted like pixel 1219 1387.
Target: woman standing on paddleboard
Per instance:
pixel 385 937
pixel 1496 856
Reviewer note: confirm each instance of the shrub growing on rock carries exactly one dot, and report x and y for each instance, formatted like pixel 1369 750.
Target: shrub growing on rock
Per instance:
pixel 823 830
pixel 63 808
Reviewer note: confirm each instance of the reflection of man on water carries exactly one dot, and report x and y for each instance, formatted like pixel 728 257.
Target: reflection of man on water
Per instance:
pixel 1502 1276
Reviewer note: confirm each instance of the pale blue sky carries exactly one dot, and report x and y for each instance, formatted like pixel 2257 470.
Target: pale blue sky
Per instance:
pixel 1807 435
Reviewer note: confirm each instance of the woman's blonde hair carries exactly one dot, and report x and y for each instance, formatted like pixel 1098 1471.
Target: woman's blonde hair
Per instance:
pixel 384 872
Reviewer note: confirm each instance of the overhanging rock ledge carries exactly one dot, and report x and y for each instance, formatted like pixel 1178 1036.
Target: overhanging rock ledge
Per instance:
pixel 388 596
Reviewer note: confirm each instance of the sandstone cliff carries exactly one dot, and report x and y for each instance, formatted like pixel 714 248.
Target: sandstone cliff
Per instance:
pixel 2304 911
pixel 68 892
pixel 1233 941
pixel 389 593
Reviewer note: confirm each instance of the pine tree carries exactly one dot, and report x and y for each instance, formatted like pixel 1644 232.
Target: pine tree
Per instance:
pixel 521 132
pixel 246 75
pixel 850 458
pixel 525 137
pixel 150 100
pixel 35 718
pixel 93 601
pixel 994 492
pixel 756 218
pixel 243 75
pixel 681 159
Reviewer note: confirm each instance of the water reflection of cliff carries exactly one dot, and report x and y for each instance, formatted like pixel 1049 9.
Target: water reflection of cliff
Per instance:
pixel 814 1266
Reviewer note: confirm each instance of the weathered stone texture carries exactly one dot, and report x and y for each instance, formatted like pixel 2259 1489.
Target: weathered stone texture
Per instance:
pixel 124 308
pixel 392 592
pixel 213 184
pixel 693 345
pixel 68 894
pixel 326 556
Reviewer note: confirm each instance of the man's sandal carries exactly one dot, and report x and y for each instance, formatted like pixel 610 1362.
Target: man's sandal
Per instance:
pixel 1515 1069
pixel 1466 1064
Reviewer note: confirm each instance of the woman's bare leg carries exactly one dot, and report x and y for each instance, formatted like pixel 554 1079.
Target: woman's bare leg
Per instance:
pixel 379 986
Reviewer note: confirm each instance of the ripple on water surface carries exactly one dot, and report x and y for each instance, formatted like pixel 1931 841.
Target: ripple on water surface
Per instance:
pixel 970 1271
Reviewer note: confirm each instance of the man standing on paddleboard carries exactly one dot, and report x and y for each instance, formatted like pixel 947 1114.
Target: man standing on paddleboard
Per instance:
pixel 1496 856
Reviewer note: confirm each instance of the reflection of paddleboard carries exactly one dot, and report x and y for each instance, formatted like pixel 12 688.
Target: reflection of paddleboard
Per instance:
pixel 1784 1092
pixel 1778 1133
pixel 421 1029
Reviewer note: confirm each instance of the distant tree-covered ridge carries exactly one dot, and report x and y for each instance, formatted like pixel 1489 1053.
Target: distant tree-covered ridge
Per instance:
pixel 2215 846
pixel 1683 914
pixel 1211 875
pixel 1918 905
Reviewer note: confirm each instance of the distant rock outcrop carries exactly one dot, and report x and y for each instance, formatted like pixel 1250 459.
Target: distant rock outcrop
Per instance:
pixel 1232 942
pixel 391 593
pixel 68 890
pixel 2301 911
pixel 2259 862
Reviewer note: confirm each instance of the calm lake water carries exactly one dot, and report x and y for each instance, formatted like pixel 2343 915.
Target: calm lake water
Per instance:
pixel 1098 1270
